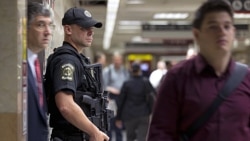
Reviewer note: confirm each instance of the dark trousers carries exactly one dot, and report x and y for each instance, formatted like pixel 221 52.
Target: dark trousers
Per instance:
pixel 118 131
pixel 62 135
pixel 137 128
pixel 68 139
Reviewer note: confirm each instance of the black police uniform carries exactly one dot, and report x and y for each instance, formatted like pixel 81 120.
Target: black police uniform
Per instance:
pixel 64 72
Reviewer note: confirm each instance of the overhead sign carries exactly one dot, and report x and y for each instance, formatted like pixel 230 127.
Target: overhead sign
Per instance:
pixel 244 27
pixel 178 42
pixel 142 57
pixel 148 27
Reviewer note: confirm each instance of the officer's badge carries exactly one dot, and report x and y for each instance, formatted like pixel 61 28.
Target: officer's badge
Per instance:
pixel 67 72
pixel 87 13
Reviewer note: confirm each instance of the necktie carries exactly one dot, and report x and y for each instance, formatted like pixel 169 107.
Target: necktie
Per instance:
pixel 39 82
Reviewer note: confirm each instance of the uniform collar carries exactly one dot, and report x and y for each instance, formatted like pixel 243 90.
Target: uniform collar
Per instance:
pixel 68 45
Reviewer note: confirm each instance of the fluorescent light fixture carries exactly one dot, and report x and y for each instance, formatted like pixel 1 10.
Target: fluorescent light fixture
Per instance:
pixel 129 27
pixel 129 23
pixel 112 8
pixel 140 39
pixel 158 22
pixel 241 16
pixel 171 15
pixel 135 2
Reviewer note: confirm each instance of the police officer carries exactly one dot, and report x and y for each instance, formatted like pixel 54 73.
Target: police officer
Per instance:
pixel 65 76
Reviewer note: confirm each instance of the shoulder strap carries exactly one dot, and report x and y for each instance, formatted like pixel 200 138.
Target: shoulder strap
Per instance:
pixel 240 71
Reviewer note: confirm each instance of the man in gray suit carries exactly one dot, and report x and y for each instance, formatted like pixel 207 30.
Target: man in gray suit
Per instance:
pixel 39 31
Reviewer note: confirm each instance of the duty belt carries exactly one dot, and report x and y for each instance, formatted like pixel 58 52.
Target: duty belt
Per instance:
pixel 66 135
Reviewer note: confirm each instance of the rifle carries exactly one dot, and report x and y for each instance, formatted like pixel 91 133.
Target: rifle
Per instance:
pixel 98 101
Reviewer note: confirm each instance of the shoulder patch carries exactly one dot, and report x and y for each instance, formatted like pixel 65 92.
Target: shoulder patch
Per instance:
pixel 67 72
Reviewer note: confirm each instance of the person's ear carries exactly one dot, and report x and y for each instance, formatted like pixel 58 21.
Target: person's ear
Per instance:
pixel 67 29
pixel 196 33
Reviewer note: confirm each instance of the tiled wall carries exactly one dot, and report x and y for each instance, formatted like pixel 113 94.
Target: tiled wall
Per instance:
pixel 11 57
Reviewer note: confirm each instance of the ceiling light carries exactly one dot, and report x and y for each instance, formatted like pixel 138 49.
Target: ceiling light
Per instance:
pixel 241 16
pixel 130 23
pixel 135 2
pixel 112 8
pixel 140 39
pixel 126 27
pixel 158 22
pixel 170 16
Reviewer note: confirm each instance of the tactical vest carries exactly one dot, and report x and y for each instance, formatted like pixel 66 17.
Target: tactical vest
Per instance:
pixel 88 84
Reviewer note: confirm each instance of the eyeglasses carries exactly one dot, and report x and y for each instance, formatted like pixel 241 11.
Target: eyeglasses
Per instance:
pixel 42 26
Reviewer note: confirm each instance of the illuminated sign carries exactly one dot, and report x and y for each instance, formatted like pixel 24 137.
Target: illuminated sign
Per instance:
pixel 141 57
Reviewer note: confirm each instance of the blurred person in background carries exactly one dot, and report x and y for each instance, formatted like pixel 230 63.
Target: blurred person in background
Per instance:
pixel 169 64
pixel 156 75
pixel 100 58
pixel 113 77
pixel 136 101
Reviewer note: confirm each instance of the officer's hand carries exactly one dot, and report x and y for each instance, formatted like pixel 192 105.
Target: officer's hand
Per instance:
pixel 99 136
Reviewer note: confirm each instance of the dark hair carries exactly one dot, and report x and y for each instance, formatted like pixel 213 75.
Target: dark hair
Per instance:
pixel 208 7
pixel 135 67
pixel 97 56
pixel 37 9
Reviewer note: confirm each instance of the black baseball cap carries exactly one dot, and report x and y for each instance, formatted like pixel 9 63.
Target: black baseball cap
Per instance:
pixel 80 17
